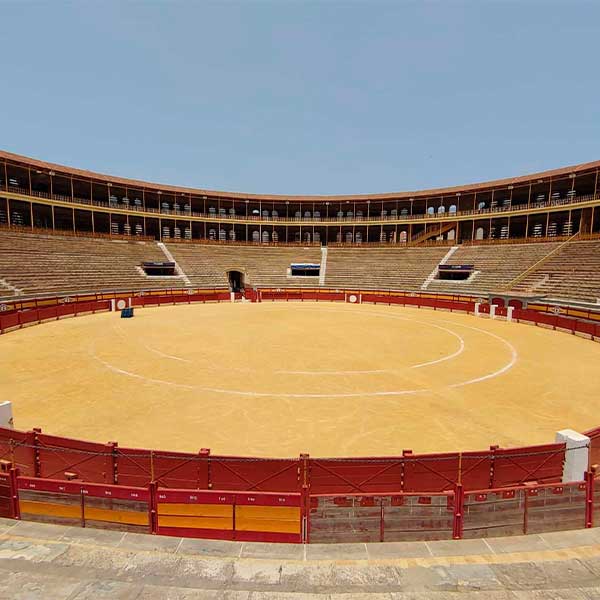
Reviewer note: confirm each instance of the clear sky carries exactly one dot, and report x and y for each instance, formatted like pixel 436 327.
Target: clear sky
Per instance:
pixel 299 97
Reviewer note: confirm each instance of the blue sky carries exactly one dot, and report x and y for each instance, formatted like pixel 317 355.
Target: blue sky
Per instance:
pixel 302 97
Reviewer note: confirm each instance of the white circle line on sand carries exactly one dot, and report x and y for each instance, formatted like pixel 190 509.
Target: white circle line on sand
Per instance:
pixel 312 373
pixel 461 348
pixel 121 333
pixel 502 370
pixel 513 352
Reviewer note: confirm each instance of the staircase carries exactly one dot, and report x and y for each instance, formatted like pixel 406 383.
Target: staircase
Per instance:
pixel 431 233
pixel 434 273
pixel 4 285
pixel 539 263
pixel 323 265
pixel 178 269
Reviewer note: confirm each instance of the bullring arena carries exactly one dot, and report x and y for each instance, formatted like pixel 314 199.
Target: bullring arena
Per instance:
pixel 405 381
pixel 278 379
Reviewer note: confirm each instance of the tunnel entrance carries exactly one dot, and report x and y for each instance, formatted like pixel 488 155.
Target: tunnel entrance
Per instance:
pixel 236 281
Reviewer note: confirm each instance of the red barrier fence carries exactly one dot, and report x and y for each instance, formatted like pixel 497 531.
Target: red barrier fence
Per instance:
pixel 434 496
pixel 39 455
pixel 303 518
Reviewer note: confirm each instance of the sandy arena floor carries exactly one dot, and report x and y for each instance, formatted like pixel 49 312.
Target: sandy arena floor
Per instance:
pixel 283 378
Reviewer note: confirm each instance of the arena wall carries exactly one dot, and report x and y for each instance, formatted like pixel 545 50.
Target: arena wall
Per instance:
pixel 407 497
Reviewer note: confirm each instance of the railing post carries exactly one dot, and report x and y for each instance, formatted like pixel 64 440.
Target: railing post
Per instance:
pixel 114 462
pixel 492 465
pixel 37 463
pixel 14 492
pixel 304 480
pixel 589 497
pixel 153 507
pixel 205 483
pixel 459 501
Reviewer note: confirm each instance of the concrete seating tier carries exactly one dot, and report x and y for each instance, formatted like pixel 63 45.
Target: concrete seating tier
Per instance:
pixel 384 268
pixel 573 272
pixel 263 266
pixel 495 265
pixel 38 264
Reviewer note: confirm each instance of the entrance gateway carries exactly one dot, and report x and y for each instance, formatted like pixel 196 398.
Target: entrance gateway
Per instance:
pixel 236 281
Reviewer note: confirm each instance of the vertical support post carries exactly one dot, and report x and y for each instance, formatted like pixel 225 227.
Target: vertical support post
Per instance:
pixel 525 510
pixel 153 507
pixel 304 480
pixel 406 453
pixel 589 497
pixel 381 523
pixel 204 478
pixel 458 521
pixel 492 466
pixel 82 503
pixel 14 493
pixel 37 463
pixel 114 463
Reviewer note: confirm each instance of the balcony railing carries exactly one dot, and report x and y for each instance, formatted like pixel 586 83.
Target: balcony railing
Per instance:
pixel 220 217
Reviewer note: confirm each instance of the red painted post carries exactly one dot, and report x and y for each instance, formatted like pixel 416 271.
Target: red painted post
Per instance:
pixel 492 465
pixel 381 523
pixel 14 493
pixel 459 503
pixel 153 507
pixel 304 480
pixel 405 454
pixel 37 463
pixel 589 497
pixel 82 507
pixel 114 462
pixel 205 481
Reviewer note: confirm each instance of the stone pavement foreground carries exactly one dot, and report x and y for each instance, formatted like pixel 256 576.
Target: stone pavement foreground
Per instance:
pixel 40 561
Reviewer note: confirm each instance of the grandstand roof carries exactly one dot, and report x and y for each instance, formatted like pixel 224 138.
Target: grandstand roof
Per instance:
pixel 172 189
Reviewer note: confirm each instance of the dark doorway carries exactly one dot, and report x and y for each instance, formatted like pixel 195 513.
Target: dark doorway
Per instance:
pixel 236 281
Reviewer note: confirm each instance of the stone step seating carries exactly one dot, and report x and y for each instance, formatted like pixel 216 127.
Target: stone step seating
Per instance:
pixel 264 266
pixel 384 268
pixel 41 561
pixel 497 265
pixel 574 272
pixel 38 264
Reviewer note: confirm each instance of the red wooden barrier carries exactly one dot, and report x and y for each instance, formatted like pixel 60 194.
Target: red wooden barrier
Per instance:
pixel 231 516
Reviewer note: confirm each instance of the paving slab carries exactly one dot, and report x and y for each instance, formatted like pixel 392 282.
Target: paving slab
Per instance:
pixel 458 547
pixel 366 576
pixel 209 547
pixel 88 535
pixel 519 576
pixel 567 594
pixel 107 589
pixel 568 539
pixel 336 552
pixel 272 551
pixel 517 543
pixel 31 550
pixel 42 531
pixel 29 585
pixel 144 541
pixel 391 550
pixel 468 578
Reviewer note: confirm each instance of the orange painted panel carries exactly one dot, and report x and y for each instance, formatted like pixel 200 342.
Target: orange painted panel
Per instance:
pixel 196 522
pixel 196 510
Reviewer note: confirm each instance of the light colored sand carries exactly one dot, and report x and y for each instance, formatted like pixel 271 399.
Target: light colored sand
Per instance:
pixel 283 378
